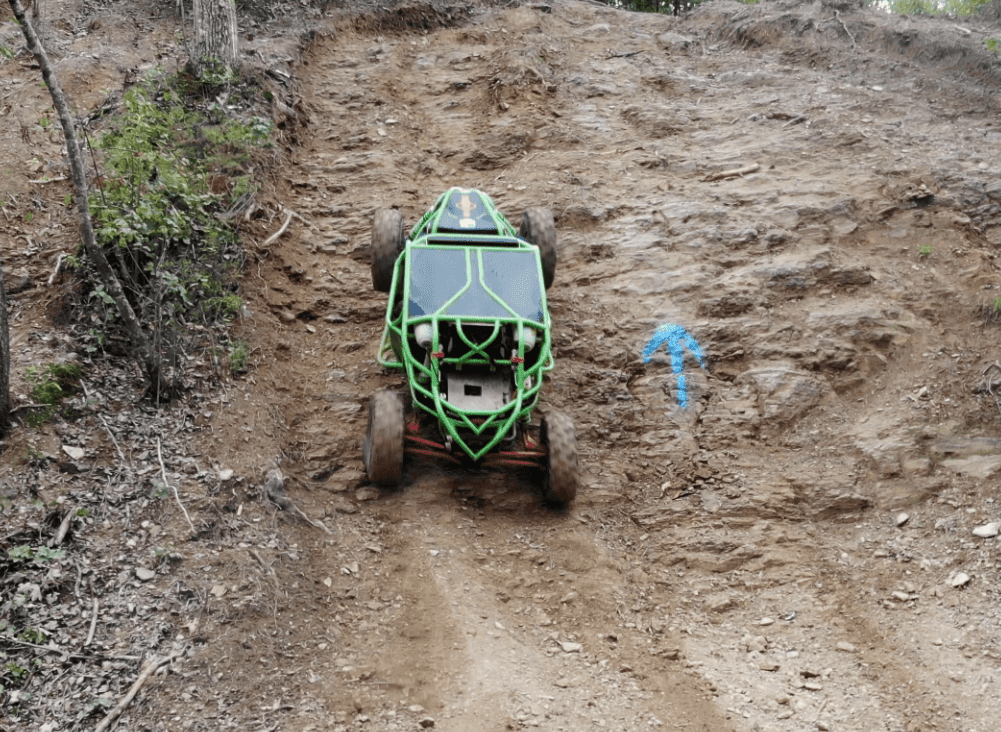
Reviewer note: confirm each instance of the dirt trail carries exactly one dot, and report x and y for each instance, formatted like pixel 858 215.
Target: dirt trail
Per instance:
pixel 739 564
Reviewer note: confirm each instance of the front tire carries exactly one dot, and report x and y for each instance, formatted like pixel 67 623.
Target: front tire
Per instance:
pixel 387 244
pixel 383 448
pixel 562 465
pixel 538 228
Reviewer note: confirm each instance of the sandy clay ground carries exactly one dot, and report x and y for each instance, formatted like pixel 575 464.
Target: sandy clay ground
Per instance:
pixel 796 550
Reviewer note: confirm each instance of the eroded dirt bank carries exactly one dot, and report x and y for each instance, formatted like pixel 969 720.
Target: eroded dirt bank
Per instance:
pixel 787 553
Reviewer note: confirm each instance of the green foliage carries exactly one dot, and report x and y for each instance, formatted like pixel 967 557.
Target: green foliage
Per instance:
pixel 935 7
pixel 50 384
pixel 993 45
pixel 174 165
pixel 6 52
pixel 239 357
pixel 25 553
pixel 924 250
pixel 31 635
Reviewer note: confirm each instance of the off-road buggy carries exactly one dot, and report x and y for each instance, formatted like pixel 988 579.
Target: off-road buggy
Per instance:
pixel 468 324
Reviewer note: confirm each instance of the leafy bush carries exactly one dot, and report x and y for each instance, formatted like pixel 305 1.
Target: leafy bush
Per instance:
pixel 49 385
pixel 177 168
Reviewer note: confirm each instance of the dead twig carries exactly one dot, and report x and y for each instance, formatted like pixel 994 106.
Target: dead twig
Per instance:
pixel 64 528
pixel 628 54
pixel 794 121
pixel 55 272
pixel 163 472
pixel 837 15
pixel 988 385
pixel 93 618
pixel 307 222
pixel 49 180
pixel 274 237
pixel 754 167
pixel 113 440
pixel 143 677
pixel 63 652
pixel 273 487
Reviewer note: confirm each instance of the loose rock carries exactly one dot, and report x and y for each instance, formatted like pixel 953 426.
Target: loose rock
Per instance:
pixel 987 531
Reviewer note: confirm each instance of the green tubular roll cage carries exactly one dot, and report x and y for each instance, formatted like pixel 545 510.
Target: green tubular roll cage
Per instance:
pixel 424 380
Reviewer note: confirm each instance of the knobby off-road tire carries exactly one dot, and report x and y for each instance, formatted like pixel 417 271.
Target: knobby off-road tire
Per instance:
pixel 538 228
pixel 383 448
pixel 387 243
pixel 562 467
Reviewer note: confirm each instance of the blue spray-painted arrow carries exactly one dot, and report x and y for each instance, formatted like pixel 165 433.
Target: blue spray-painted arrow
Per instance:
pixel 676 338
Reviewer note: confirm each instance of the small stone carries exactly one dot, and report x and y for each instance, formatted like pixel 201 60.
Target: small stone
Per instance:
pixel 77 453
pixel 784 714
pixel 768 666
pixel 902 518
pixel 812 686
pixel 822 725
pixel 625 669
pixel 902 596
pixel 145 574
pixel 845 646
pixel 987 531
pixel 960 579
pixel 368 493
pixel 562 683
pixel 416 708
pixel 766 621
pixel 571 647
pixel 426 723
pixel 218 590
pixel 225 474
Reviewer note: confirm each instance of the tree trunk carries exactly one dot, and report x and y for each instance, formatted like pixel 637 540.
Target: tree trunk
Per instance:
pixel 4 358
pixel 215 35
pixel 148 358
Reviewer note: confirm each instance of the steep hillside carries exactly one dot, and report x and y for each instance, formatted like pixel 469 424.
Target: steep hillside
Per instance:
pixel 810 191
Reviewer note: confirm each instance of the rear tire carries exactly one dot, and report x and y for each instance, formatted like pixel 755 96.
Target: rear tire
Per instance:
pixel 383 448
pixel 562 466
pixel 387 244
pixel 538 228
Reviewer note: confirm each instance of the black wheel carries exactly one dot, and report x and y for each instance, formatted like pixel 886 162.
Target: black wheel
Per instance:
pixel 538 228
pixel 387 243
pixel 560 439
pixel 383 448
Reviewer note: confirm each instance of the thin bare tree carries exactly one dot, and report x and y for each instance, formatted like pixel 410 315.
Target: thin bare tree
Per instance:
pixel 148 357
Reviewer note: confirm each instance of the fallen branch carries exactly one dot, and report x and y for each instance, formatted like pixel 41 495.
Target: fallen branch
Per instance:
pixel 163 472
pixel 55 272
pixel 143 677
pixel 64 528
pixel 274 237
pixel 733 173
pixel 49 180
pixel 93 620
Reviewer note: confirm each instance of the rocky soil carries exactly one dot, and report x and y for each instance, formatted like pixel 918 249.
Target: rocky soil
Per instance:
pixel 809 545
